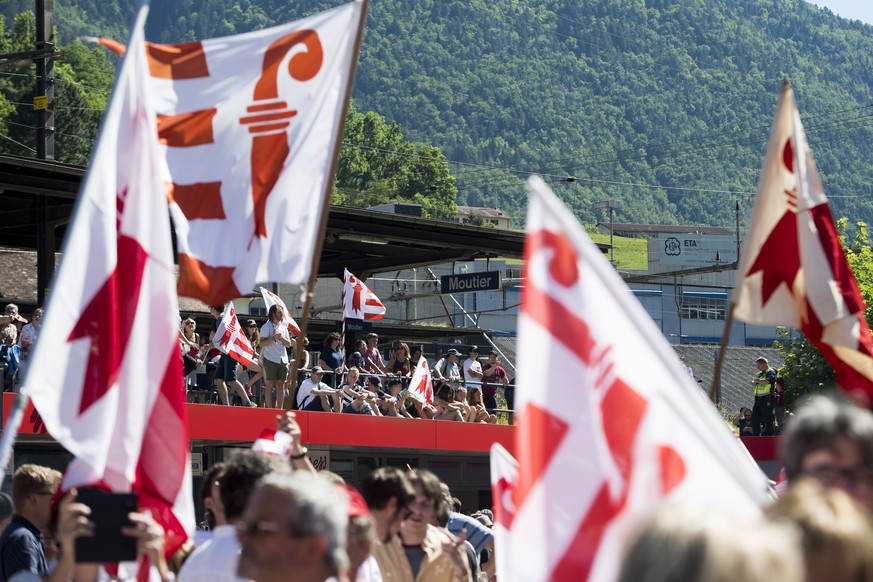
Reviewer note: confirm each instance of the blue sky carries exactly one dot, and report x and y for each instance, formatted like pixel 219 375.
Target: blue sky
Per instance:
pixel 854 9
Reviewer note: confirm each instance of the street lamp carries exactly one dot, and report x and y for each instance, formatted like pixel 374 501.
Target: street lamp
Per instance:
pixel 610 204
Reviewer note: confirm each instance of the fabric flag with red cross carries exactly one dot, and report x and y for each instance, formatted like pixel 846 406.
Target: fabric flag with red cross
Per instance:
pixel 610 425
pixel 271 299
pixel 106 374
pixel 504 476
pixel 250 126
pixel 230 339
pixel 359 302
pixel 421 384
pixel 793 269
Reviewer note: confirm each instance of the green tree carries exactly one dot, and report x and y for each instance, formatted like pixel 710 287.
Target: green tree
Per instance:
pixel 806 371
pixel 378 166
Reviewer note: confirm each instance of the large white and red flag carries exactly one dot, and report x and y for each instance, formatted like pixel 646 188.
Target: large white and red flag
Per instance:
pixel 421 384
pixel 793 270
pixel 504 476
pixel 230 339
pixel 106 375
pixel 249 125
pixel 271 299
pixel 611 425
pixel 359 302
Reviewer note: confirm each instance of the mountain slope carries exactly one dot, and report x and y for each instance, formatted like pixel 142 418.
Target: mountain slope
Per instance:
pixel 628 96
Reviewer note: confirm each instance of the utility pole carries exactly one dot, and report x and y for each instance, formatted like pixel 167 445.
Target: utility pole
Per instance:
pixel 44 102
pixel 611 205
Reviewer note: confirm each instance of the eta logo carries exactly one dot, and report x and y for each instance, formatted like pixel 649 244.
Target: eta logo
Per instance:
pixel 672 247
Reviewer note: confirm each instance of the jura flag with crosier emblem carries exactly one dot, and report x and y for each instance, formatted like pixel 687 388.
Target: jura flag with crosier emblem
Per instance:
pixel 106 374
pixel 271 299
pixel 359 302
pixel 632 430
pixel 230 339
pixel 421 384
pixel 793 270
pixel 249 126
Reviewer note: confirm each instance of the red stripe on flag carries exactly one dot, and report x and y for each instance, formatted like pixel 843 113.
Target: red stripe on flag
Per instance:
pixel 198 201
pixel 177 61
pixel 164 456
pixel 539 436
pixel 186 129
pixel 212 285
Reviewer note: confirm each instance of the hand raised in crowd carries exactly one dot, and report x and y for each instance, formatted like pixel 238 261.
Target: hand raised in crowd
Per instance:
pixel 149 539
pixel 455 551
pixel 72 523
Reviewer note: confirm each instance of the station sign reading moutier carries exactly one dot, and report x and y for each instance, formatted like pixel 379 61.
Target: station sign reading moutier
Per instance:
pixel 470 282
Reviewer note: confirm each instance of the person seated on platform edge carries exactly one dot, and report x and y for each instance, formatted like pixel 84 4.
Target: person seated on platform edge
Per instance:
pixel 316 396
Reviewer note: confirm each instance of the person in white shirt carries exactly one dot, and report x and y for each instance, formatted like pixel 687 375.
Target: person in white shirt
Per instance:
pixel 217 559
pixel 472 368
pixel 275 341
pixel 316 396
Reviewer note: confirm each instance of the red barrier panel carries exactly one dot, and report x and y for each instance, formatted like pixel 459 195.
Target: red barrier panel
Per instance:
pixel 209 422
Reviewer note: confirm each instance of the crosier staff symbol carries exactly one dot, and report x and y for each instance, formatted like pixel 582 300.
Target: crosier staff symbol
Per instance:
pixel 269 117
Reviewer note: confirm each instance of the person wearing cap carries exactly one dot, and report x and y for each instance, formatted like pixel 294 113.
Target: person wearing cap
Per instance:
pixel 472 368
pixel 313 394
pixel 275 341
pixel 362 534
pixel 447 371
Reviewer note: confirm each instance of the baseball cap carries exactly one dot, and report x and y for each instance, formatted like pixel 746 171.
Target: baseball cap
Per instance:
pixel 472 349
pixel 317 370
pixel 453 352
pixel 251 322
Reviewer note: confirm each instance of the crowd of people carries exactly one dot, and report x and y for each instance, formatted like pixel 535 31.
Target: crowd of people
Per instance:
pixel 363 382
pixel 270 519
pixel 266 519
pixel 17 338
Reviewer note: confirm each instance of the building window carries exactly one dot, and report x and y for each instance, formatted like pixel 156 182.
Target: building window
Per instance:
pixel 702 308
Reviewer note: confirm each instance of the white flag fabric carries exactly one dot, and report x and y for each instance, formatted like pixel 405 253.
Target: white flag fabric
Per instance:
pixel 421 384
pixel 271 299
pixel 630 431
pixel 359 302
pixel 793 270
pixel 230 339
pixel 249 128
pixel 106 375
pixel 504 476
pixel 274 442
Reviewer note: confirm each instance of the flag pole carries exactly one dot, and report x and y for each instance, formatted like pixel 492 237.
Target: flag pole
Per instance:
pixel 319 239
pixel 715 389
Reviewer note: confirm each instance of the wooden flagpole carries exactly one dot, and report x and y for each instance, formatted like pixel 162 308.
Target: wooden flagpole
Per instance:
pixel 319 239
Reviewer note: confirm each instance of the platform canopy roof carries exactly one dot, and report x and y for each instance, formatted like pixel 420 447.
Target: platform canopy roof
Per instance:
pixel 37 197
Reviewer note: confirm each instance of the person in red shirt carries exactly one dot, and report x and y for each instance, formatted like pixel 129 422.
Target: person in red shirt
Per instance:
pixel 493 375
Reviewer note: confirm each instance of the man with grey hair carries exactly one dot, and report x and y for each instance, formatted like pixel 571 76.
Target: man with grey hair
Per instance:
pixel 831 441
pixel 294 528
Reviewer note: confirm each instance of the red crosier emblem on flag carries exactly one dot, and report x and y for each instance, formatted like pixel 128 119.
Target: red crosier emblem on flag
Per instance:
pixel 270 117
pixel 250 125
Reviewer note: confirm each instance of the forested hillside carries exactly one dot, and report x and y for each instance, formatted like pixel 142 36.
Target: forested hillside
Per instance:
pixel 664 105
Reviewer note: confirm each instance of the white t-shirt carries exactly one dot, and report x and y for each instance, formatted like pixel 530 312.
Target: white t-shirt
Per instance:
pixel 275 351
pixel 470 364
pixel 305 390
pixel 214 561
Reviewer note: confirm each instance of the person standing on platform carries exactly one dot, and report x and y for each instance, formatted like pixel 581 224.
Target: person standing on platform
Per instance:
pixel 762 411
pixel 275 341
